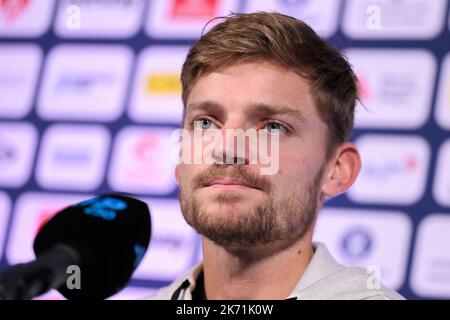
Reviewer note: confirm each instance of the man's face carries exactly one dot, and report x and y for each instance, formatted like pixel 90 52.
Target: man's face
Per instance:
pixel 233 204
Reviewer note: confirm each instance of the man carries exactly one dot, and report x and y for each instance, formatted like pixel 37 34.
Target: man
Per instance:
pixel 271 73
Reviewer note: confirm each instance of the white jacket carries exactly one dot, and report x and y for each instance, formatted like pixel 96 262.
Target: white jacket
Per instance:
pixel 323 279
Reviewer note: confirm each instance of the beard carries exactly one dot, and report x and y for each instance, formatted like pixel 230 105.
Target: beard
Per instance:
pixel 268 221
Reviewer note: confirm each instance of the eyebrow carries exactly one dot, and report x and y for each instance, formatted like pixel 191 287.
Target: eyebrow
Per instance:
pixel 255 109
pixel 271 110
pixel 206 106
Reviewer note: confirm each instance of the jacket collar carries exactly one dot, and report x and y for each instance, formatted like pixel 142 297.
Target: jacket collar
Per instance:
pixel 321 265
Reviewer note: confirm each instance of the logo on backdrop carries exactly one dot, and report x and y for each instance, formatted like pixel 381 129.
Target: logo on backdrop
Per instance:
pixel 393 19
pixel 441 187
pixel 19 68
pixel 85 82
pixel 17 149
pixel 73 157
pixel 107 19
pixel 430 273
pixel 12 9
pixel 193 9
pixel 394 95
pixel 321 15
pixel 394 171
pixel 373 239
pixel 156 93
pixel 357 243
pixel 185 19
pixel 141 161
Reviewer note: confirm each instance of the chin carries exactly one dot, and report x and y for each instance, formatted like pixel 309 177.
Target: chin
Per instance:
pixel 229 209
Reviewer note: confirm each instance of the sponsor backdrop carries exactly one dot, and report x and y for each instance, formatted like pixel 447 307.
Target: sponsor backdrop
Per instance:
pixel 89 96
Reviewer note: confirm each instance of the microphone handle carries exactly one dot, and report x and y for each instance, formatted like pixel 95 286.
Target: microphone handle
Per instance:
pixel 27 280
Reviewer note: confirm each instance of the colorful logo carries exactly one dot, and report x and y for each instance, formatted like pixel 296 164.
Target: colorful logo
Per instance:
pixel 161 83
pixel 12 9
pixel 193 9
pixel 391 169
pixel 105 208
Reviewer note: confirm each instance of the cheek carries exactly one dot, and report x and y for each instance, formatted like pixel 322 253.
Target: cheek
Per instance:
pixel 177 173
pixel 186 172
pixel 182 174
pixel 302 158
pixel 297 168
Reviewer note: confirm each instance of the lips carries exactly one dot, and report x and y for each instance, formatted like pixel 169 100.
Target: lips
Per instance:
pixel 228 182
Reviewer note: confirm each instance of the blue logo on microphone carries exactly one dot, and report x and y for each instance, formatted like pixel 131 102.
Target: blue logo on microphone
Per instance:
pixel 139 251
pixel 105 208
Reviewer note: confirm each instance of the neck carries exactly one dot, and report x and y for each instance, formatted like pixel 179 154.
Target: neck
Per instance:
pixel 266 272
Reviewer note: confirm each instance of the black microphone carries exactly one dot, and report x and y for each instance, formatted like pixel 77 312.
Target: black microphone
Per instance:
pixel 104 239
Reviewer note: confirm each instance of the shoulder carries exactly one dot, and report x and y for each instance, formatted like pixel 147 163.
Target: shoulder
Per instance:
pixel 350 284
pixel 325 278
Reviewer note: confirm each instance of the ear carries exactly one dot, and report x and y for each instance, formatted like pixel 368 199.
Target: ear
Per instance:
pixel 343 169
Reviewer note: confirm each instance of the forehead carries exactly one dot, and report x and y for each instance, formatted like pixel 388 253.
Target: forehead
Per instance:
pixel 246 85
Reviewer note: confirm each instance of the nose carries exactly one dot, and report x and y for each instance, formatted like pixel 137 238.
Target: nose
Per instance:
pixel 235 147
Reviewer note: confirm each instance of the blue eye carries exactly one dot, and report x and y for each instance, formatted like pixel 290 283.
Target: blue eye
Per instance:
pixel 274 127
pixel 203 123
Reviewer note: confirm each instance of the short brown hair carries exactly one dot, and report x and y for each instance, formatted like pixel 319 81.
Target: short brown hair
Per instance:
pixel 290 43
